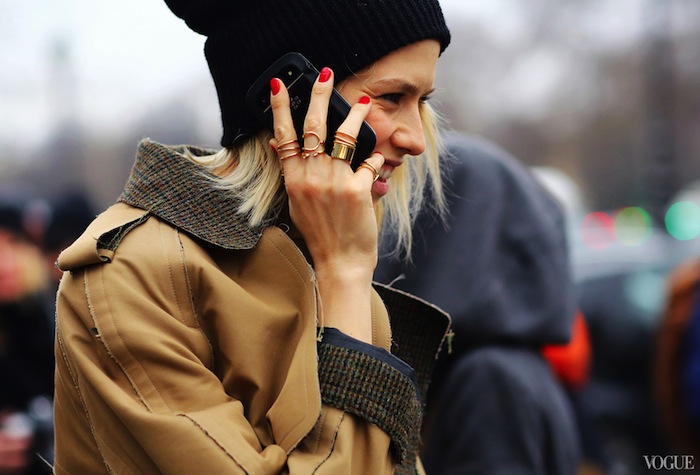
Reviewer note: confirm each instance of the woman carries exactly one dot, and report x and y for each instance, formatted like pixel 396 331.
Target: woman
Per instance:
pixel 221 317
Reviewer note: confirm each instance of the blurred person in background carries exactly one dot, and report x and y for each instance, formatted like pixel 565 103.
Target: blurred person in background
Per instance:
pixel 26 349
pixel 499 266
pixel 221 317
pixel 677 362
pixel 69 215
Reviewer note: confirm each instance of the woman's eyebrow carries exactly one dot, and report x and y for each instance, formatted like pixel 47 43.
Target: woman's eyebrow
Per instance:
pixel 404 86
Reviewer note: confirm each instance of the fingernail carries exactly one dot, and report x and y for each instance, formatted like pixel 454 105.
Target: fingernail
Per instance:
pixel 325 75
pixel 275 86
pixel 364 100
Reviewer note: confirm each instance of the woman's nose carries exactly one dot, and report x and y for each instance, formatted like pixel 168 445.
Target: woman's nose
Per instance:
pixel 409 135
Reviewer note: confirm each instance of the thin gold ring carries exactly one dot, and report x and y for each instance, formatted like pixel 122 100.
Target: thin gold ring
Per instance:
pixel 370 167
pixel 289 154
pixel 317 149
pixel 341 136
pixel 288 149
pixel 293 141
pixel 292 146
pixel 344 142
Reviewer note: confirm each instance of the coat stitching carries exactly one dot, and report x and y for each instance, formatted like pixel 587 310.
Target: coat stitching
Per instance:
pixel 213 439
pixel 76 386
pixel 336 429
pixel 315 300
pixel 190 296
pixel 171 278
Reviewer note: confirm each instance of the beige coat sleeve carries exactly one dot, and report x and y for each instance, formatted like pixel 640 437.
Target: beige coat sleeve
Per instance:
pixel 135 392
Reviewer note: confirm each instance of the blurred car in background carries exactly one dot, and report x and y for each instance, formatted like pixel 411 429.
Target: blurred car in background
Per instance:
pixel 621 261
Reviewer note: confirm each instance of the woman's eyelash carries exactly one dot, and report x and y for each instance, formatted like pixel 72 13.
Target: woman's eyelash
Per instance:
pixel 396 97
pixel 392 97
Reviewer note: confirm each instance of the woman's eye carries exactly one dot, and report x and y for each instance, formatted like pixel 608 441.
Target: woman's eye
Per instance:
pixel 394 98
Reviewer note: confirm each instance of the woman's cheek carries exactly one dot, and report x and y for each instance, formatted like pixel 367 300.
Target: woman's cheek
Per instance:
pixel 381 125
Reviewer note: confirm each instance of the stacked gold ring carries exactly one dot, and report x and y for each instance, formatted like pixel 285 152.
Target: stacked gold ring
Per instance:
pixel 288 149
pixel 316 150
pixel 344 146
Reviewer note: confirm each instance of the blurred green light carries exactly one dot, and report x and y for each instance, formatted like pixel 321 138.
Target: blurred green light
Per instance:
pixel 632 225
pixel 683 220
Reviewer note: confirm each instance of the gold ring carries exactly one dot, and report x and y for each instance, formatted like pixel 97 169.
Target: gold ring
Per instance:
pixel 345 138
pixel 288 142
pixel 288 149
pixel 343 151
pixel 317 149
pixel 289 154
pixel 370 167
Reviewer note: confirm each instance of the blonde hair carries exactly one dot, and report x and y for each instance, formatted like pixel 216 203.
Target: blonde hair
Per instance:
pixel 251 169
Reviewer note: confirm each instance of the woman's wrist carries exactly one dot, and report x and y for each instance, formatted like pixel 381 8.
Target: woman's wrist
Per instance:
pixel 346 301
pixel 345 274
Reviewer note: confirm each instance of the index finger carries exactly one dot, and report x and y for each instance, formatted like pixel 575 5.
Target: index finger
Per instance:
pixel 283 125
pixel 358 113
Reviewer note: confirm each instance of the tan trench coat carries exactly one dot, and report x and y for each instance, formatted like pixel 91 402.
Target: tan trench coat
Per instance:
pixel 189 344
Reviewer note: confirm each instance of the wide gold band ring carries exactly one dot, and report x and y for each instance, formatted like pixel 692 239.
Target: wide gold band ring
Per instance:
pixel 343 151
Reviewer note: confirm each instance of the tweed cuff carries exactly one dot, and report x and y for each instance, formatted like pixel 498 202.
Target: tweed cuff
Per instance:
pixel 418 331
pixel 375 385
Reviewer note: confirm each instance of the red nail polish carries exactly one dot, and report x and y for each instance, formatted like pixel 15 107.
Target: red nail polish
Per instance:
pixel 364 100
pixel 325 75
pixel 275 86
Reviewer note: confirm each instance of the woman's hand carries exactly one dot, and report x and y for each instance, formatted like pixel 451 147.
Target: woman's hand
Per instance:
pixel 331 205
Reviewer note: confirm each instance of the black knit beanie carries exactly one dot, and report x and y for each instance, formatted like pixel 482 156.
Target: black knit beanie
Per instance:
pixel 245 37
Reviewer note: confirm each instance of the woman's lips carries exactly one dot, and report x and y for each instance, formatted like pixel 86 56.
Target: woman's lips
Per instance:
pixel 388 167
pixel 381 186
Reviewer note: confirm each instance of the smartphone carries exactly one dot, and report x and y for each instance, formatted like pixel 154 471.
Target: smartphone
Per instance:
pixel 299 75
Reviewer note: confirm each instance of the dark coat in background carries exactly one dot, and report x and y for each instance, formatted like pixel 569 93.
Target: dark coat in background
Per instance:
pixel 500 267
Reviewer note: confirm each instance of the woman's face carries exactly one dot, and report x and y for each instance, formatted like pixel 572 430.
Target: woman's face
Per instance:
pixel 398 85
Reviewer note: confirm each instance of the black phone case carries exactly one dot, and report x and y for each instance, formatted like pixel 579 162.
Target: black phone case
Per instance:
pixel 299 75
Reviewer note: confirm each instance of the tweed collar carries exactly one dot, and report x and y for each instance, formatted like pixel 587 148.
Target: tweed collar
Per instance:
pixel 177 190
